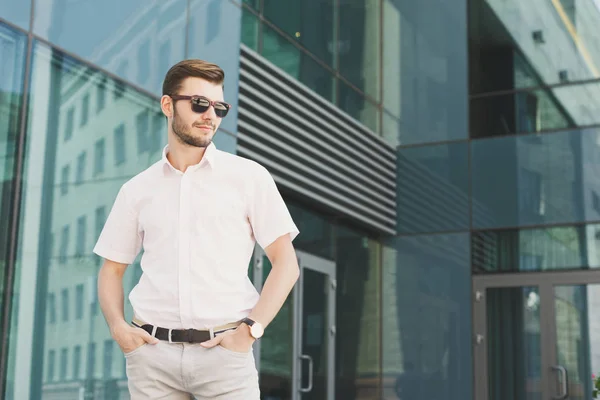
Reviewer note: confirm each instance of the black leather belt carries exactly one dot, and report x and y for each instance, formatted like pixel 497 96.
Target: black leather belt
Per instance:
pixel 179 335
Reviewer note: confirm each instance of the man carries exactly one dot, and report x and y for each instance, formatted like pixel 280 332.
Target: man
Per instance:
pixel 197 213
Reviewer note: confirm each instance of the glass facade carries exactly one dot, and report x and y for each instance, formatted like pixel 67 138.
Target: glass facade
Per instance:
pixel 492 107
pixel 533 85
pixel 332 47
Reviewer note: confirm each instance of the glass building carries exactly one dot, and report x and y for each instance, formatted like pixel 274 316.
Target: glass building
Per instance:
pixel 441 160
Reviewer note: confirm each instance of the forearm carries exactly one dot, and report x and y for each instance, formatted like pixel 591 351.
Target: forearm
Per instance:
pixel 284 274
pixel 111 296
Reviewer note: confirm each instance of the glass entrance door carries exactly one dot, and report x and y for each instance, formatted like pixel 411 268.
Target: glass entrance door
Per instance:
pixel 315 329
pixel 536 335
pixel 296 356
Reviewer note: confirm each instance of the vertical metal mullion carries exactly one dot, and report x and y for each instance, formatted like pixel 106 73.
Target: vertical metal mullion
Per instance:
pixel 380 104
pixel 259 44
pixel 548 338
pixel 16 195
pixel 187 29
pixel 336 52
pixel 480 347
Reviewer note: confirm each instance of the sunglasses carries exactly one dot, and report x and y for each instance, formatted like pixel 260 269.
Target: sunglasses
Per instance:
pixel 201 104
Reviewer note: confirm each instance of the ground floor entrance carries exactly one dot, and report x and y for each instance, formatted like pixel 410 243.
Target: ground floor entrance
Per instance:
pixel 296 357
pixel 536 335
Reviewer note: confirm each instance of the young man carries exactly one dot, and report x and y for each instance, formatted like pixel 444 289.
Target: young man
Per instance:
pixel 197 213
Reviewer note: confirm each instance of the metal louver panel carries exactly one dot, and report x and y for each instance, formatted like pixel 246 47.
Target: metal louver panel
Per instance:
pixel 312 148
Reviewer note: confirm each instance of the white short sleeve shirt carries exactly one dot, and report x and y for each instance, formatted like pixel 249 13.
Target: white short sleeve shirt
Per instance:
pixel 197 231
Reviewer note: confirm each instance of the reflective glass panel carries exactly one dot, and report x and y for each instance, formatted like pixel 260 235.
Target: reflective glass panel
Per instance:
pixel 426 318
pixel 283 54
pixel 87 135
pixel 534 111
pixel 358 44
pixel 514 343
pixel 138 40
pixel 358 107
pixel 425 68
pixel 515 44
pixel 16 12
pixel 214 34
pixel 250 29
pixel 539 249
pixel 536 179
pixel 433 188
pixel 309 22
pixel 577 344
pixel 12 65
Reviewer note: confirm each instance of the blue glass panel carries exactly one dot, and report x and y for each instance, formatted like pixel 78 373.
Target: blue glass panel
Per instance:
pixel 433 188
pixel 16 12
pixel 214 35
pixel 536 249
pixel 86 136
pixel 425 81
pixel 536 179
pixel 426 318
pixel 135 39
pixel 12 65
pixel 516 44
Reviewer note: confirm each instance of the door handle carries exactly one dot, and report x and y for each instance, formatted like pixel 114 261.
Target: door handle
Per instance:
pixel 564 387
pixel 310 373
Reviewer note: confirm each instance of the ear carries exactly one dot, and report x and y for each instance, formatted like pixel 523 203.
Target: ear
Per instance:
pixel 166 104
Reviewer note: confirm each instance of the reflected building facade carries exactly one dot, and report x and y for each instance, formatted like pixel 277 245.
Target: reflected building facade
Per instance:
pixel 440 160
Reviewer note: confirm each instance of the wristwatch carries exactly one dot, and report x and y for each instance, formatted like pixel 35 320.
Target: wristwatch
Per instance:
pixel 256 328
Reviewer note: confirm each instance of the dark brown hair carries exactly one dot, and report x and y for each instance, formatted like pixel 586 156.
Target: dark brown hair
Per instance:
pixel 192 68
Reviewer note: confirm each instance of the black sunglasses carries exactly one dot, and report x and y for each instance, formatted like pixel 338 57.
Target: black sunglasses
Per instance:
pixel 200 104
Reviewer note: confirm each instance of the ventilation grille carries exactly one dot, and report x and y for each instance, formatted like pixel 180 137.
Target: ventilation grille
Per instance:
pixel 313 149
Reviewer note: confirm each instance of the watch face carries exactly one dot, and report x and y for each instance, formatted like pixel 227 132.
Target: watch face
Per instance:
pixel 256 330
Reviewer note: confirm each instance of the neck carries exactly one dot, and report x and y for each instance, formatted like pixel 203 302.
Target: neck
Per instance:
pixel 181 156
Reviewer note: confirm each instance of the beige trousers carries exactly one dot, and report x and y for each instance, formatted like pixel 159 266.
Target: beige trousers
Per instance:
pixel 177 370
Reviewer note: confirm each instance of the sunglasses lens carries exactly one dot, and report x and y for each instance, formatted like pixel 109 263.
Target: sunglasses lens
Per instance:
pixel 221 109
pixel 199 105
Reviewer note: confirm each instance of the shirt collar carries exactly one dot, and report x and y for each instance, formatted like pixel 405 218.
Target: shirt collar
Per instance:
pixel 209 156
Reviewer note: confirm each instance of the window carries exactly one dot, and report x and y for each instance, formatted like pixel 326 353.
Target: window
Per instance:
pixel 531 193
pixel 85 109
pixel 51 308
pixel 141 126
pixel 64 182
pixel 65 305
pixel 79 301
pixel 100 220
pixel 91 360
pixel 64 361
pixel 81 162
pixel 81 234
pixel 158 130
pixel 76 362
pixel 99 157
pixel 101 96
pixel 69 123
pixel 64 245
pixel 51 364
pixel 108 359
pixel 120 144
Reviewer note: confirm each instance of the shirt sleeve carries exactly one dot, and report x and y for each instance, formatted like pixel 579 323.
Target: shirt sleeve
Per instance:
pixel 268 213
pixel 120 239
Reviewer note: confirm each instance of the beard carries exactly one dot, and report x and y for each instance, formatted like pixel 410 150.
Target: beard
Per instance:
pixel 183 132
